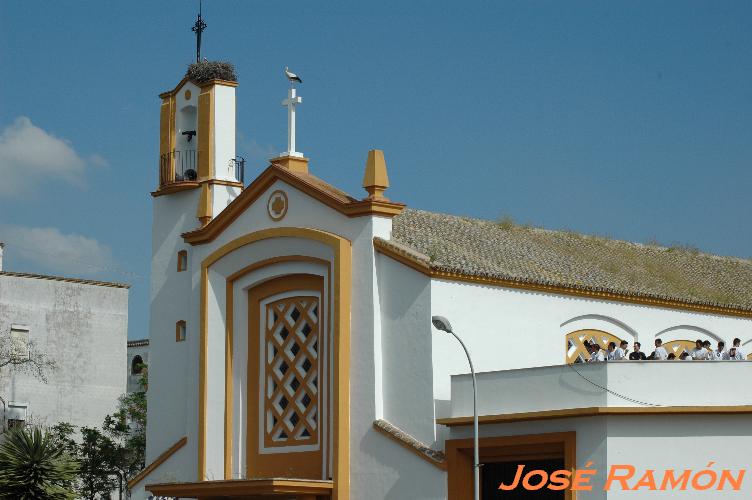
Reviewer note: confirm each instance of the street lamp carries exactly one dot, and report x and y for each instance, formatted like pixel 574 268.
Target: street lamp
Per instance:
pixel 441 323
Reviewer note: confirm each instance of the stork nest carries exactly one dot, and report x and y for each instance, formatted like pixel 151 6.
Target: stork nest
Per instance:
pixel 211 70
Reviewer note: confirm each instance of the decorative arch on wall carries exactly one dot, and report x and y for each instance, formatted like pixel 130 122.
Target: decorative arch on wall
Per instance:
pixel 697 329
pixel 575 343
pixel 600 317
pixel 231 280
pixel 341 284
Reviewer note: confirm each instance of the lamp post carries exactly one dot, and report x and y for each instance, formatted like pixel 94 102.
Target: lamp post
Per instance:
pixel 441 323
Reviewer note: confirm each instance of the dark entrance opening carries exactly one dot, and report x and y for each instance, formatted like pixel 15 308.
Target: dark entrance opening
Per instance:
pixel 494 473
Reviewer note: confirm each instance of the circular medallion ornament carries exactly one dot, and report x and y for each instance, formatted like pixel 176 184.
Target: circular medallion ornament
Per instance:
pixel 187 94
pixel 277 205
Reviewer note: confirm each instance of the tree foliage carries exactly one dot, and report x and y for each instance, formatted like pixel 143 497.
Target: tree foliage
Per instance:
pixel 34 465
pixel 109 456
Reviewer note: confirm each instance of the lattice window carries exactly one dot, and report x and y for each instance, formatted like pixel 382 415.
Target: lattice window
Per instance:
pixel 291 397
pixel 575 343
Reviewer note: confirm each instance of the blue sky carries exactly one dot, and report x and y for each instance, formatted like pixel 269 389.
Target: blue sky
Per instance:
pixel 626 119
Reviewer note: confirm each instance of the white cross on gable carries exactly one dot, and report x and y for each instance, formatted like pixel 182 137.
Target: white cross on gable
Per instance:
pixel 292 100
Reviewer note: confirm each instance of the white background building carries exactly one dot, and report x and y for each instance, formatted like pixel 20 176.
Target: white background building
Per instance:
pixel 81 325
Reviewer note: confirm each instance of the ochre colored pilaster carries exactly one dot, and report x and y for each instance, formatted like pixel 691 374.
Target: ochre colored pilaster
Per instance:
pixel 206 133
pixel 204 210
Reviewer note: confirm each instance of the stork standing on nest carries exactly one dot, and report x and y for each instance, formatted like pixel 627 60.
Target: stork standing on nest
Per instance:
pixel 292 77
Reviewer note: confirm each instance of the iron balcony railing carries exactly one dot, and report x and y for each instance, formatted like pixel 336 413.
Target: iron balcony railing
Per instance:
pixel 182 166
pixel 236 169
pixel 178 166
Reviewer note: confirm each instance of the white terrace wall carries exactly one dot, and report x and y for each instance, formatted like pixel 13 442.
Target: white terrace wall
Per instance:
pixel 661 383
pixel 83 329
pixel 508 328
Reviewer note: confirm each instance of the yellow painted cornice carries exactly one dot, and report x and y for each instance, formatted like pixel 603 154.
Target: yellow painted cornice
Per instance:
pixel 595 411
pixel 243 488
pixel 342 203
pixel 202 85
pixel 175 187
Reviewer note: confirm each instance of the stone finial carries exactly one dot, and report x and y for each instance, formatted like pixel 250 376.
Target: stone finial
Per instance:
pixel 375 179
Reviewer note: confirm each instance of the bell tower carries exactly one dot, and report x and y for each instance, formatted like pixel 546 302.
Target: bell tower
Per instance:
pixel 197 138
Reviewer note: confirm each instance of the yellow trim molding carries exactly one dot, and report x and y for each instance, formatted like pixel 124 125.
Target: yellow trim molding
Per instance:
pixel 207 83
pixel 204 208
pixel 596 411
pixel 423 265
pixel 157 462
pixel 302 182
pixel 342 282
pixel 175 187
pixel 205 139
pixel 244 488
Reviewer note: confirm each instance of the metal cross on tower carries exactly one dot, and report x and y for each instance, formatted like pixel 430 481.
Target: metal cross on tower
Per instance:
pixel 293 99
pixel 198 28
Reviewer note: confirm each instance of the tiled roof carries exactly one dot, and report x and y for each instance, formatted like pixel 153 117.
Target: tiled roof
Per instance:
pixel 62 278
pixel 138 343
pixel 488 249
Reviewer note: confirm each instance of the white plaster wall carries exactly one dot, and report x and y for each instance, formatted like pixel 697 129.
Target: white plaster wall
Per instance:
pixel 222 196
pixel 224 131
pixel 172 299
pixel 666 383
pixel 407 369
pixel 508 328
pixel 681 442
pixel 83 328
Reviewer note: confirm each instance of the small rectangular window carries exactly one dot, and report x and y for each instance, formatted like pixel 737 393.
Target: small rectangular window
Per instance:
pixel 180 331
pixel 19 342
pixel 182 260
pixel 15 414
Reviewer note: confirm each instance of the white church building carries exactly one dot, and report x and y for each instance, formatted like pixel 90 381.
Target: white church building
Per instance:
pixel 292 354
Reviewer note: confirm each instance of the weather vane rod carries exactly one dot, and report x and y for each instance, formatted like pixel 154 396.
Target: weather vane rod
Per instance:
pixel 198 28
